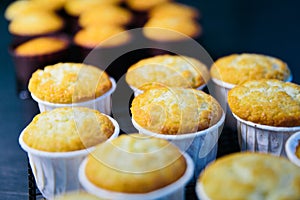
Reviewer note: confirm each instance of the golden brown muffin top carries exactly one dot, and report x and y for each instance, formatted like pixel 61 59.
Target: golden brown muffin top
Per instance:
pixel 36 23
pixel 105 36
pixel 169 110
pixel 54 5
pixel 238 68
pixel 169 70
pixel 41 46
pixel 105 14
pixel 267 101
pixel 251 176
pixel 69 83
pixel 21 7
pixel 172 9
pixel 171 28
pixel 67 129
pixel 143 6
pixel 76 7
pixel 150 164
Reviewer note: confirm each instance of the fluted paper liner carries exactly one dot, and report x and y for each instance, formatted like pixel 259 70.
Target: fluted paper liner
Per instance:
pixel 290 148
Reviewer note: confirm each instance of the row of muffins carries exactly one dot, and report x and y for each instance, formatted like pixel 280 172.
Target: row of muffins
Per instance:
pixel 75 27
pixel 159 88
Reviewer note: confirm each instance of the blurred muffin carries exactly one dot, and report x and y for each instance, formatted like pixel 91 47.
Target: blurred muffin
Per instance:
pixel 34 24
pixel 249 176
pixel 141 172
pixel 100 36
pixel 67 129
pixel 172 9
pixel 171 111
pixel 168 70
pixel 105 15
pixel 238 68
pixel 67 83
pixel 21 7
pixel 55 5
pixel 141 6
pixel 76 195
pixel 268 102
pixel 35 54
pixel 76 7
pixel 171 28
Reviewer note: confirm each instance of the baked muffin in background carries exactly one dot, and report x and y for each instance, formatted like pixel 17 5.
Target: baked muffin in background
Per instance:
pixel 34 54
pixel 98 36
pixel 249 176
pixel 168 70
pixel 238 68
pixel 34 24
pixel 105 15
pixel 68 129
pixel 141 173
pixel 68 83
pixel 267 113
pixel 173 9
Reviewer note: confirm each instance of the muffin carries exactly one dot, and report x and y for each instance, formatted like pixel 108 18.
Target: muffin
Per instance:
pixel 72 84
pixel 189 118
pixel 105 15
pixel 173 9
pixel 83 127
pixel 104 175
pixel 171 28
pixel 168 70
pixel 35 54
pixel 138 5
pixel 249 176
pixel 267 113
pixel 292 148
pixel 97 36
pixel 58 140
pixel 21 7
pixel 33 24
pixel 239 68
pixel 235 69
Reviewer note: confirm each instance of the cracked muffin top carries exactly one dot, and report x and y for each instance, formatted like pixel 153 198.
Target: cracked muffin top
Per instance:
pixel 69 83
pixel 267 101
pixel 67 129
pixel 169 70
pixel 239 68
pixel 169 110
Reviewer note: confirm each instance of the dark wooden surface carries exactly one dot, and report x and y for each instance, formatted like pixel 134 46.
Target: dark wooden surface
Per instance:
pixel 232 26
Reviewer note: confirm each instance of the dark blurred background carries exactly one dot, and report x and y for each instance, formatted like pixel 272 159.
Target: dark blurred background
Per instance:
pixel 231 26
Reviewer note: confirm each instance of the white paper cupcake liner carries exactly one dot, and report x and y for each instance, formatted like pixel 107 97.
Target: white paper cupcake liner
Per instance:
pixel 137 91
pixel 202 146
pixel 102 103
pixel 56 172
pixel 262 138
pixel 169 192
pixel 290 148
pixel 221 90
